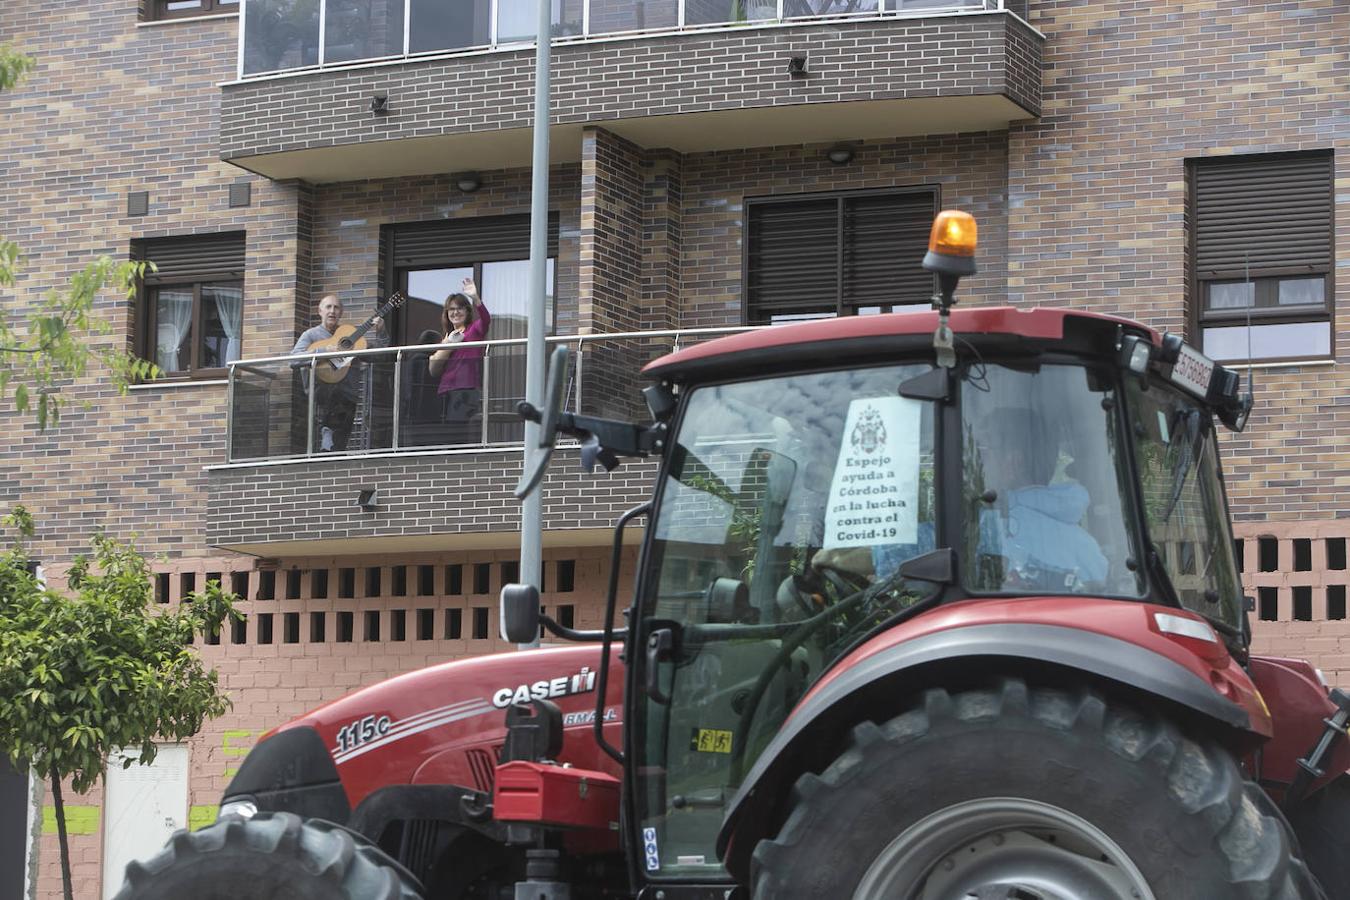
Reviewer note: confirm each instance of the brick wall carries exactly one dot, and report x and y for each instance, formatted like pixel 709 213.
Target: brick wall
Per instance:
pixel 111 109
pixel 1296 573
pixel 1097 199
pixel 663 239
pixel 968 55
pixel 970 171
pixel 611 232
pixel 317 500
pixel 611 263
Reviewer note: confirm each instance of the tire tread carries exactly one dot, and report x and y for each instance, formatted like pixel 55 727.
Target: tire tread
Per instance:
pixel 1202 778
pixel 342 864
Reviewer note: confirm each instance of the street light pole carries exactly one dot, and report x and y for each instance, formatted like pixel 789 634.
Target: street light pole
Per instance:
pixel 531 511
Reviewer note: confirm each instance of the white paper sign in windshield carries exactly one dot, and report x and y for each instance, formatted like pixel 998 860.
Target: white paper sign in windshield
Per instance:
pixel 874 497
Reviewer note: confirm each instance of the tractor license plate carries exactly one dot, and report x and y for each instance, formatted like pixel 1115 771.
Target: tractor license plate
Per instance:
pixel 1193 371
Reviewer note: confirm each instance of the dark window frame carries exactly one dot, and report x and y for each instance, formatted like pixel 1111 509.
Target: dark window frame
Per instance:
pixel 158 10
pixel 147 291
pixel 1266 309
pixel 841 198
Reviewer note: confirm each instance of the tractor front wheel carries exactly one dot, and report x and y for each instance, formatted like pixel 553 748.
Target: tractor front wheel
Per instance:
pixel 272 856
pixel 1029 793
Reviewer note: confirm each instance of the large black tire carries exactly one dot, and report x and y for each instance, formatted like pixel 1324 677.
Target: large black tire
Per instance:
pixel 1322 824
pixel 1029 793
pixel 272 856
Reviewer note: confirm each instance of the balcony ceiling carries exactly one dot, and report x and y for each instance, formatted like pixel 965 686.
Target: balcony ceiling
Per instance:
pixel 687 133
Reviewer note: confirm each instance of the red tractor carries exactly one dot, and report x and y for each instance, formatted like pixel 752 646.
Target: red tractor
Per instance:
pixel 930 605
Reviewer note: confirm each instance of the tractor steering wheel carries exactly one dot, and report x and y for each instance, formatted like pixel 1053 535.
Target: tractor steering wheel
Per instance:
pixel 845 582
pixel 806 629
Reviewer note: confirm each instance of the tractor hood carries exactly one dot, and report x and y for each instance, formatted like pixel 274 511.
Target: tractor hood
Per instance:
pixel 444 724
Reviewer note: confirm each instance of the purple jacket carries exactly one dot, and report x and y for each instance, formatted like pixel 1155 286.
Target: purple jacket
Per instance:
pixel 464 368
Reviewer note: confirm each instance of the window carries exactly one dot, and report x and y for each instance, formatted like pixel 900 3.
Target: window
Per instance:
pixel 831 255
pixel 1261 251
pixel 179 9
pixel 429 261
pixel 192 306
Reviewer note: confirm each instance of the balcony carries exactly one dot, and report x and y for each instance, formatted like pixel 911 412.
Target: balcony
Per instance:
pixel 689 75
pixel 439 477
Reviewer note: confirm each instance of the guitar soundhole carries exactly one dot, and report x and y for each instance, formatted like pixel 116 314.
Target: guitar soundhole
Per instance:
pixel 345 343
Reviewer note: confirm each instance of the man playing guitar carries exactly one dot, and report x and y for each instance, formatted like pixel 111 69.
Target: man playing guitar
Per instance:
pixel 335 403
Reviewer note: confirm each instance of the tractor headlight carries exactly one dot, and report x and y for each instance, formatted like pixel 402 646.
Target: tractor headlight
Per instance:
pixel 1135 353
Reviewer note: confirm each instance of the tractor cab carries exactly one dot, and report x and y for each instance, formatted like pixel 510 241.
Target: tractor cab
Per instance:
pixel 802 514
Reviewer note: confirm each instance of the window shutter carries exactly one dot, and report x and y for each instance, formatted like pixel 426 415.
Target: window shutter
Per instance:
pixel 461 241
pixel 885 238
pixel 1272 213
pixel 193 258
pixel 791 261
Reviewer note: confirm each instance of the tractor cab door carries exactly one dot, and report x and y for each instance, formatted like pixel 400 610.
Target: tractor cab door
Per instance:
pixel 786 509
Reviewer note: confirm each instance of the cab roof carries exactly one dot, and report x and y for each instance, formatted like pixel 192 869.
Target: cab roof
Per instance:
pixel 828 338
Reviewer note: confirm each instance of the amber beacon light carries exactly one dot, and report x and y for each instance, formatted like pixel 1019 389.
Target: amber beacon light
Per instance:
pixel 951 245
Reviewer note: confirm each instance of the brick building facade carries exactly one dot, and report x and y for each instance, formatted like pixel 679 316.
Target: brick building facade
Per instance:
pixel 1079 134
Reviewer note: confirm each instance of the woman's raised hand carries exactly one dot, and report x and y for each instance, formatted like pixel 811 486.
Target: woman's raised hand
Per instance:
pixel 469 289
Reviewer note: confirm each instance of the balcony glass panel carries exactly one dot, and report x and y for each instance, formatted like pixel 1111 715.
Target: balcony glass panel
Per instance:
pixel 448 24
pixel 390 400
pixel 717 12
pixel 516 19
pixel 280 34
pixel 925 5
pixel 609 16
pixel 793 9
pixel 362 29
pixel 267 411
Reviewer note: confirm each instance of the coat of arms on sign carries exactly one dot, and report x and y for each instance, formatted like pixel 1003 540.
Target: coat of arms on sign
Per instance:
pixel 870 431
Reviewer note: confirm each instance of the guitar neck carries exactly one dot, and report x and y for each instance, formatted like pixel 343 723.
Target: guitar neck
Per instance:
pixel 380 313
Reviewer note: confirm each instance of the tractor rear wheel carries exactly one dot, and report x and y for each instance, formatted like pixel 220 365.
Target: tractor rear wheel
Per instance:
pixel 272 856
pixel 1322 823
pixel 1033 794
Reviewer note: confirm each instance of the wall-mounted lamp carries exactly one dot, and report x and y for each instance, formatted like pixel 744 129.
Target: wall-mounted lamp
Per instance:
pixel 468 182
pixel 797 66
pixel 379 104
pixel 365 499
pixel 840 154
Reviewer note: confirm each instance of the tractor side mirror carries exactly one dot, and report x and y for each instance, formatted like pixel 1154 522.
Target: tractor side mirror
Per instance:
pixel 520 613
pixel 547 418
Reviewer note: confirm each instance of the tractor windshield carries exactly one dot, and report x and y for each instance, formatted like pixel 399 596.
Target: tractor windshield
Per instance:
pixel 1184 504
pixel 788 506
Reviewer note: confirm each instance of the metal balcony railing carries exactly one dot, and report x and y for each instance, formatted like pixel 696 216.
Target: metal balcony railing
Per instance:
pixel 289 35
pixel 388 400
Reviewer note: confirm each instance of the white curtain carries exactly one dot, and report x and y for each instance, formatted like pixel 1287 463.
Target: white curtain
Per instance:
pixel 506 291
pixel 230 306
pixel 173 313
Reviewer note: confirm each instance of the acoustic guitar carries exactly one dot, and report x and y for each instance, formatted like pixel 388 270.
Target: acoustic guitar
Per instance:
pixel 349 337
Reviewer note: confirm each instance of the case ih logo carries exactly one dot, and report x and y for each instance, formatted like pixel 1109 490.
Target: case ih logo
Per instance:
pixel 561 686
